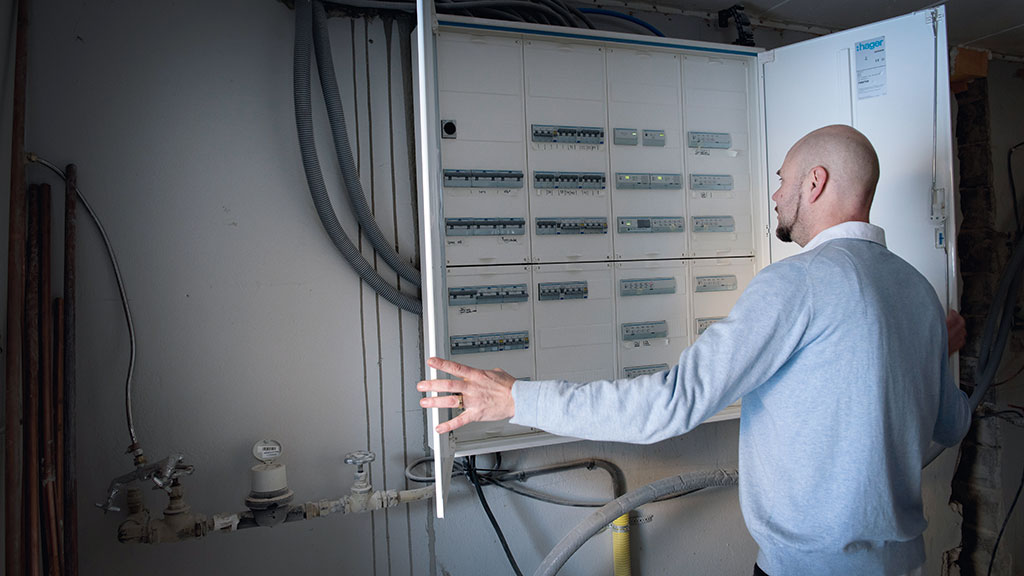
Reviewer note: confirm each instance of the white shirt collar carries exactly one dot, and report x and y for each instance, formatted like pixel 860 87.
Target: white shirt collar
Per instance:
pixel 856 230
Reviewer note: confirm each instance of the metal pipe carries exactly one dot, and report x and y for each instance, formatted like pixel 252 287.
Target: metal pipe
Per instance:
pixel 46 379
pixel 13 368
pixel 31 407
pixel 58 385
pixel 138 528
pixel 70 476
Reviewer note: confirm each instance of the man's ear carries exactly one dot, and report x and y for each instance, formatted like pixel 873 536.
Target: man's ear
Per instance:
pixel 817 178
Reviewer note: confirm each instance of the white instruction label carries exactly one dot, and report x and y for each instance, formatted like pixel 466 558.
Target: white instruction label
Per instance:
pixel 871 68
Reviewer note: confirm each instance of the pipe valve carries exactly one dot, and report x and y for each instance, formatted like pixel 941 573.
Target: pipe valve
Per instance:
pixel 360 458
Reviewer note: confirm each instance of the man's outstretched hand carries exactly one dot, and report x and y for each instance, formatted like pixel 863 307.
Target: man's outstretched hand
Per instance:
pixel 956 329
pixel 483 395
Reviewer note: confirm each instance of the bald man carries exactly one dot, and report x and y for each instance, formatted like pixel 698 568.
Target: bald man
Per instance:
pixel 840 356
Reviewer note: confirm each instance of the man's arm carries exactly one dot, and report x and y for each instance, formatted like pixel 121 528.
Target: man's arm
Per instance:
pixel 731 358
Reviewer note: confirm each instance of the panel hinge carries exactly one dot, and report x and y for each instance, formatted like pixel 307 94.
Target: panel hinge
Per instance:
pixel 766 57
pixel 934 17
pixel 938 205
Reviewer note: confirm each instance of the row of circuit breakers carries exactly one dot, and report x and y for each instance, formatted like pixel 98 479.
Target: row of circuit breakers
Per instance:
pixel 557 151
pixel 597 205
pixel 588 321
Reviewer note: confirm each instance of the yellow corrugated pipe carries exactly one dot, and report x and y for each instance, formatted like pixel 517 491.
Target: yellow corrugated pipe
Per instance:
pixel 620 545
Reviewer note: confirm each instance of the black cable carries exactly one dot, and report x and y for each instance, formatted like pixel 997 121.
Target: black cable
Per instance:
pixel 471 470
pixel 1005 380
pixel 1013 189
pixel 992 560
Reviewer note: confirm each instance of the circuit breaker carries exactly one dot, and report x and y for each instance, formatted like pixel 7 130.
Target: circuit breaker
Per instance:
pixel 652 311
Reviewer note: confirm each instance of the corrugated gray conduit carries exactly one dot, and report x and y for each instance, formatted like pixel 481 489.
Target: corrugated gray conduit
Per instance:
pixel 311 165
pixel 604 515
pixel 349 173
pixel 995 334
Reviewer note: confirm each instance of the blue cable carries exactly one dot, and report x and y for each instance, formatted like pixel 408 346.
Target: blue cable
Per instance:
pixel 624 16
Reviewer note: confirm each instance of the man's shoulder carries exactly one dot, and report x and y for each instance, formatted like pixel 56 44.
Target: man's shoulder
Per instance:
pixel 788 271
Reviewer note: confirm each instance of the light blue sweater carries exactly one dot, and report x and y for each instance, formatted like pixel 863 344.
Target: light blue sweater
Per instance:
pixel 839 354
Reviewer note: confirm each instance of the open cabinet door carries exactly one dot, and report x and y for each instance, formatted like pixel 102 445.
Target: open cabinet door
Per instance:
pixel 890 81
pixel 428 160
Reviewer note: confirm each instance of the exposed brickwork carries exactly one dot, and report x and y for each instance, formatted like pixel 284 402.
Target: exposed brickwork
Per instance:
pixel 983 253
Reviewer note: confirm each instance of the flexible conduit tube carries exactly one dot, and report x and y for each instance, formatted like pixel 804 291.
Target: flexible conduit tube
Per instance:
pixel 993 338
pixel 621 506
pixel 311 165
pixel 620 546
pixel 624 16
pixel 349 174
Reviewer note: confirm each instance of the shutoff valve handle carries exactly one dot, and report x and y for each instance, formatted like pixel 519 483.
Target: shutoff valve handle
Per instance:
pixel 360 458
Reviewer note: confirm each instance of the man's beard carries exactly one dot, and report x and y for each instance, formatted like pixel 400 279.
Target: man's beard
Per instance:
pixel 784 232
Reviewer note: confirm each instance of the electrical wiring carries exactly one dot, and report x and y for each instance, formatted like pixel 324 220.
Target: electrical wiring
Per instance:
pixel 1006 520
pixel 1013 188
pixel 120 288
pixel 1010 378
pixel 510 480
pixel 551 12
pixel 490 516
pixel 623 16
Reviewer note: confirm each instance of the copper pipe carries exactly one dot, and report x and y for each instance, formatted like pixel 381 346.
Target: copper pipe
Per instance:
pixel 13 369
pixel 46 381
pixel 32 389
pixel 58 388
pixel 70 475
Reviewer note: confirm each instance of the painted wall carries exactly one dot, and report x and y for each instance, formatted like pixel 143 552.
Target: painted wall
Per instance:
pixel 250 325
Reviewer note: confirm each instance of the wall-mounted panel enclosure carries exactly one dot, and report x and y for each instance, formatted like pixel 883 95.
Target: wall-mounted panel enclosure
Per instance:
pixel 583 178
pixel 628 179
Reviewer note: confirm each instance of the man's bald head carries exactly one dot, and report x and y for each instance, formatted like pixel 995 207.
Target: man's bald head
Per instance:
pixel 850 160
pixel 828 177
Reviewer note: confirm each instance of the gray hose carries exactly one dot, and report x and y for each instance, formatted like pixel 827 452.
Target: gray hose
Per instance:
pixel 349 173
pixel 601 517
pixel 993 338
pixel 311 165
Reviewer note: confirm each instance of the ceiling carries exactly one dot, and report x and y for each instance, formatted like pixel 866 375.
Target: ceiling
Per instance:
pixel 994 25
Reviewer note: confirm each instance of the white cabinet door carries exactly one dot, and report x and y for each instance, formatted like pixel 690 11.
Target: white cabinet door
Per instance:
pixel 888 80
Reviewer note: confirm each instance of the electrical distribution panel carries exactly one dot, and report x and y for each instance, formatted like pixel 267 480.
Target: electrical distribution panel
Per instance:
pixel 583 185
